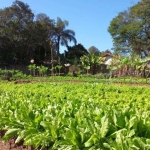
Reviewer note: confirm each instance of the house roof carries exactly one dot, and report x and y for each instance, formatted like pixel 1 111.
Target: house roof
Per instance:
pixel 107 54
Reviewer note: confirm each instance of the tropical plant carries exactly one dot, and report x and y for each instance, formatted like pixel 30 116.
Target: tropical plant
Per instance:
pixel 91 61
pixel 59 68
pixel 42 70
pixel 32 68
pixel 62 34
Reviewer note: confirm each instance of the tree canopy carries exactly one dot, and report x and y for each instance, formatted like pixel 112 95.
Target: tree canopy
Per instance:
pixel 62 34
pixel 25 36
pixel 15 34
pixel 93 50
pixel 73 54
pixel 130 29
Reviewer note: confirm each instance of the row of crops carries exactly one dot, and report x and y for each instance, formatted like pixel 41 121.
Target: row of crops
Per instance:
pixel 13 75
pixel 63 116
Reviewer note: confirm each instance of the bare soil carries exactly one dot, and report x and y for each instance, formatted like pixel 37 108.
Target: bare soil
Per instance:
pixel 79 82
pixel 10 144
pixel 133 84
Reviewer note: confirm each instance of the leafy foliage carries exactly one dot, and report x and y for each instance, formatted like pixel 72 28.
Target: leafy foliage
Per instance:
pixel 84 116
pixel 74 53
pixel 93 50
pixel 24 36
pixel 130 29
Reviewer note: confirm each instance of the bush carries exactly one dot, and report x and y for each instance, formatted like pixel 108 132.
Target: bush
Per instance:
pixel 12 75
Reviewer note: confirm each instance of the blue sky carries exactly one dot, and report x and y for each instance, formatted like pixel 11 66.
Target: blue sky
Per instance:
pixel 89 19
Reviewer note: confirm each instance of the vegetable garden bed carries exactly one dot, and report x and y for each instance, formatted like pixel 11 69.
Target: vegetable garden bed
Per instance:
pixel 83 116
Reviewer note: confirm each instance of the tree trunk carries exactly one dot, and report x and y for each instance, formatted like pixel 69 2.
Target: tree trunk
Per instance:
pixel 148 52
pixel 51 48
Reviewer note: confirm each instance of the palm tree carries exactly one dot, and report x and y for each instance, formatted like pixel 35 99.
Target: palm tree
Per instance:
pixel 63 35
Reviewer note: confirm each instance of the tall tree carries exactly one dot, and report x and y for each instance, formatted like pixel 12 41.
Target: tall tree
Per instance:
pixel 63 35
pixel 121 30
pixel 74 53
pixel 130 30
pixel 94 50
pixel 141 12
pixel 16 23
pixel 22 37
pixel 43 34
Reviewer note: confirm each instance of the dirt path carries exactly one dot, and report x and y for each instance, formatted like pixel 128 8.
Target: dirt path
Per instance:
pixel 80 82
